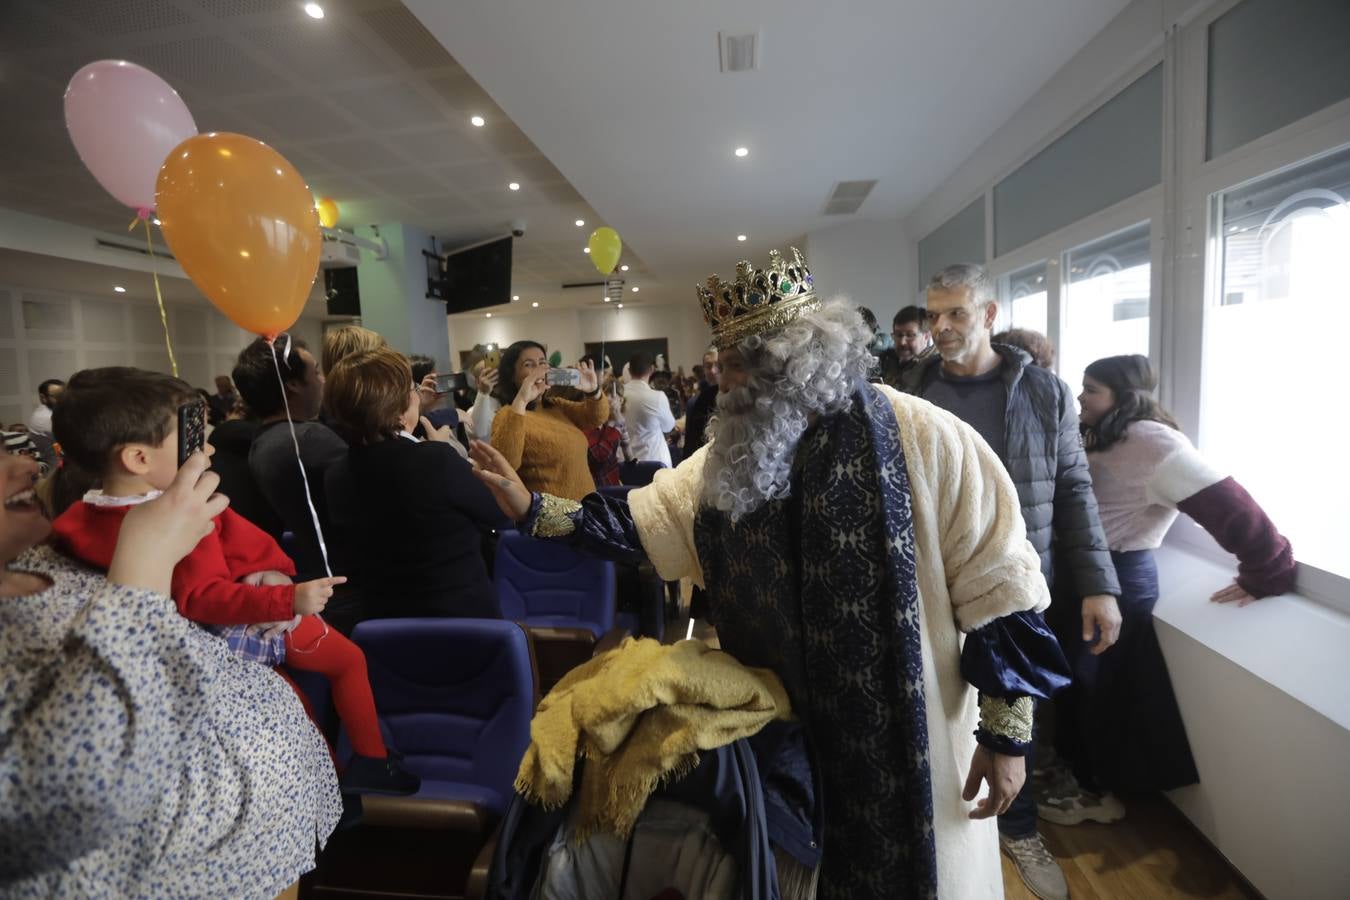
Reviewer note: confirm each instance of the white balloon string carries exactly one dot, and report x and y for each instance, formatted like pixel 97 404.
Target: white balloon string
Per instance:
pixel 309 498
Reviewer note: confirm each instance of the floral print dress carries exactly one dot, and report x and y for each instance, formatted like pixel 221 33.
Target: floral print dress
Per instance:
pixel 139 758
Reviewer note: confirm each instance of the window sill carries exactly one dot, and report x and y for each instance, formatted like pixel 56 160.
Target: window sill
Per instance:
pixel 1292 643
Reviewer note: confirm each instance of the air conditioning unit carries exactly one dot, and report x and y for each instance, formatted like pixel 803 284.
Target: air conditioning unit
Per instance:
pixel 338 253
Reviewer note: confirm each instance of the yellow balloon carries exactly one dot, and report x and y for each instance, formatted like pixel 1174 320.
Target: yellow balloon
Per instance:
pixel 328 212
pixel 605 249
pixel 241 223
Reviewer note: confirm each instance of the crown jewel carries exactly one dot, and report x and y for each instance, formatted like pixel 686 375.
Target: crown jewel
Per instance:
pixel 758 300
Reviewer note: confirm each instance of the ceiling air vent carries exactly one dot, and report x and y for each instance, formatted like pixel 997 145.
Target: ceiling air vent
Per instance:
pixel 847 196
pixel 739 52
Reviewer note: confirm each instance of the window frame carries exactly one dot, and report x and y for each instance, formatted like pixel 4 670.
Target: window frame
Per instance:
pixel 1182 219
pixel 1196 271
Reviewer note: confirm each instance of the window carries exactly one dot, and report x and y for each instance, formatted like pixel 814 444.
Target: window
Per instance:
pixel 1022 299
pixel 1274 373
pixel 1106 301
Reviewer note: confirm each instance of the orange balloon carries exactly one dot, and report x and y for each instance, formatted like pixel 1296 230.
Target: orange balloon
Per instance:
pixel 242 224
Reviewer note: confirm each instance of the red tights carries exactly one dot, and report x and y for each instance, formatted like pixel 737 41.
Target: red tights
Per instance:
pixel 308 649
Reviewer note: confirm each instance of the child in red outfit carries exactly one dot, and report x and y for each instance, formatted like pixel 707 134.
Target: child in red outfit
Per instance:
pixel 119 426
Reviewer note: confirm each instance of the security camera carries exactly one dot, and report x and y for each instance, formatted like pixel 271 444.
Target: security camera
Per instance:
pixel 518 227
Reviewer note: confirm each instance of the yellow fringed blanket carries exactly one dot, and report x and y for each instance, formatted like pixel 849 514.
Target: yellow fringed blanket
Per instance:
pixel 639 714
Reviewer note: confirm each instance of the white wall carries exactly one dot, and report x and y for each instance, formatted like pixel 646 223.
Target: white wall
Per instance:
pixel 49 334
pixel 1265 695
pixel 872 263
pixel 568 330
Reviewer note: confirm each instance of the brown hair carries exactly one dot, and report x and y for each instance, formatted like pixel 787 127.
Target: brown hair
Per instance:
pixel 344 341
pixel 367 392
pixel 1037 345
pixel 1132 381
pixel 103 410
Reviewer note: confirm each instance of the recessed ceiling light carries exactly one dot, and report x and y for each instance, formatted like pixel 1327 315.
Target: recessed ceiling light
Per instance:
pixel 489 315
pixel 477 121
pixel 620 306
pixel 740 237
pixel 515 297
pixel 156 221
pixel 314 10
pixel 119 289
pixel 623 268
pixel 606 299
pixel 635 290
pixel 534 305
pixel 742 151
pixel 580 222
pixel 515 185
pixel 585 249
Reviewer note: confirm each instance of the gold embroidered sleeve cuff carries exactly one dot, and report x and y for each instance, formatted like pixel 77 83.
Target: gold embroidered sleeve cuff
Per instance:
pixel 1011 721
pixel 551 517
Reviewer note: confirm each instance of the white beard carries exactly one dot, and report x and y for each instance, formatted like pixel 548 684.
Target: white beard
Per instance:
pixel 754 440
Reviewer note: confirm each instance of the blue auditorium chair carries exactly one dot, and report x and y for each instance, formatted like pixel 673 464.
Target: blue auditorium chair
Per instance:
pixel 616 490
pixel 455 698
pixel 546 584
pixel 564 598
pixel 639 473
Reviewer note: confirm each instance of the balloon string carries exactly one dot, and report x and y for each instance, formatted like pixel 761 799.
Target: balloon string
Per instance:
pixel 309 498
pixel 163 315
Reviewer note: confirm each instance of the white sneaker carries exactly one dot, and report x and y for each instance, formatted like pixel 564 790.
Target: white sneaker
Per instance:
pixel 1080 806
pixel 1039 870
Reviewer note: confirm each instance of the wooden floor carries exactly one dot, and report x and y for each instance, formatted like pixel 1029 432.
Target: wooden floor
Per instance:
pixel 1151 854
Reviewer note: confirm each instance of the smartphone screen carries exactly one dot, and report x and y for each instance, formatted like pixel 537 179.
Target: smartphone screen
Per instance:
pixel 191 429
pixel 564 377
pixel 446 384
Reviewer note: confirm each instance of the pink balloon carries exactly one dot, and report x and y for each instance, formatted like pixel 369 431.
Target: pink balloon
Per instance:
pixel 124 120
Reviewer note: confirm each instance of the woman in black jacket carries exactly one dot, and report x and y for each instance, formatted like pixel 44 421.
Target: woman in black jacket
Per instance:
pixel 409 514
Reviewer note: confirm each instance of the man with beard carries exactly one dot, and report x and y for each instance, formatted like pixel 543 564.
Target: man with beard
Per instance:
pixel 866 547
pixel 909 330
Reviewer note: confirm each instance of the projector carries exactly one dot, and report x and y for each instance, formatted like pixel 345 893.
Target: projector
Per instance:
pixel 338 254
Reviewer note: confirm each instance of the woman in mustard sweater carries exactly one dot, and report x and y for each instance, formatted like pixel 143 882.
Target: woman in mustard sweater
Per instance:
pixel 542 436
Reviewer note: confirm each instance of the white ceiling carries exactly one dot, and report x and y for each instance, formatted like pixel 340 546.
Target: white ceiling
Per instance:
pixel 616 102
pixel 365 103
pixel 627 101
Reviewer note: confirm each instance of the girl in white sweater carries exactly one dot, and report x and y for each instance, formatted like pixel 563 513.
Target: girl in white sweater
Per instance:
pixel 1118 724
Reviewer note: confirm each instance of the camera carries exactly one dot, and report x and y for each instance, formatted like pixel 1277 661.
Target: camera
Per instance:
pixel 518 227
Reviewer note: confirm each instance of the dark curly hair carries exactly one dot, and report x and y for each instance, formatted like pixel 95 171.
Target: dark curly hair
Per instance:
pixel 507 388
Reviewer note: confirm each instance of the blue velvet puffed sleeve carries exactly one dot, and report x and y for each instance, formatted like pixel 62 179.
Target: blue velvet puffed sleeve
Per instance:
pixel 1013 661
pixel 599 525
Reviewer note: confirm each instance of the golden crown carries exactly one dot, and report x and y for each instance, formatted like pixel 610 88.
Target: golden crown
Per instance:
pixel 759 300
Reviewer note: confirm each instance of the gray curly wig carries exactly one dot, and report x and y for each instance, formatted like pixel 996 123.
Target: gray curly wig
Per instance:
pixel 811 367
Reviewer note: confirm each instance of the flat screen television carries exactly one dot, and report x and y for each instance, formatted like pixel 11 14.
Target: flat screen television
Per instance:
pixel 474 278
